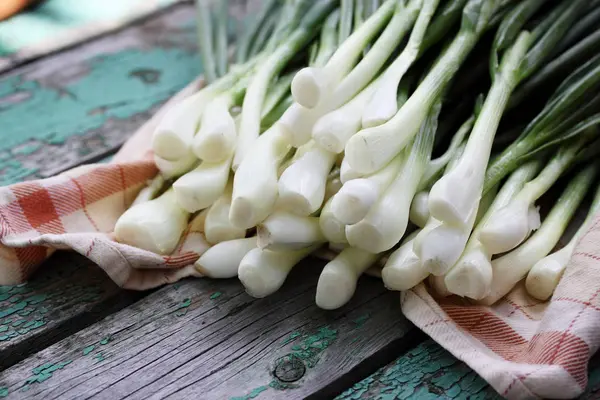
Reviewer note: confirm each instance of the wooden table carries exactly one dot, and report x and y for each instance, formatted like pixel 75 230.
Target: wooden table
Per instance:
pixel 71 333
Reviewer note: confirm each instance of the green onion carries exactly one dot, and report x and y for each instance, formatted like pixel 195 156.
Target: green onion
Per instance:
pixel 222 55
pixel 310 83
pixel 371 148
pixel 346 17
pixel 403 270
pixel 514 266
pixel 337 282
pixel 247 37
pixel 383 105
pixel 386 222
pixel 546 126
pixel 263 272
pixel 155 225
pixel 222 260
pixel 456 207
pixel 510 226
pixel 205 40
pixel 471 275
pixel 255 95
pixel 543 278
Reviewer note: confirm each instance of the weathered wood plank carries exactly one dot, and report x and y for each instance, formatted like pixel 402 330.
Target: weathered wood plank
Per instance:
pixel 42 28
pixel 425 372
pixel 101 122
pixel 70 293
pixel 430 372
pixel 208 339
pixel 65 108
pixel 88 99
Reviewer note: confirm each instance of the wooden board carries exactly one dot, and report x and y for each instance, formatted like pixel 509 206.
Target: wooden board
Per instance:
pixel 194 336
pixel 69 294
pixel 208 339
pixel 83 103
pixel 430 372
pixel 425 372
pixel 66 109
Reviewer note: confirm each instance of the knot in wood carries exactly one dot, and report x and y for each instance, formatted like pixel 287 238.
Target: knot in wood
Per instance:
pixel 289 369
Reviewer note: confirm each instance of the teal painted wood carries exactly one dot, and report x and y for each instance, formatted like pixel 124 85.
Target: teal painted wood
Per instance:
pixel 143 67
pixel 56 23
pixel 425 372
pixel 90 98
pixel 207 339
pixel 430 372
pixel 59 110
pixel 70 293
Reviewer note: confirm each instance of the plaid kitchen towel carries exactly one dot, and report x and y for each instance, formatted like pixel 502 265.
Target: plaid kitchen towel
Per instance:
pixel 78 210
pixel 55 24
pixel 523 348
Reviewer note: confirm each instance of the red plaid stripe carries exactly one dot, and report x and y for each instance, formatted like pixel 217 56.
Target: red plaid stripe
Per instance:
pixel 548 348
pixel 525 349
pixel 37 207
pixel 70 210
pixel 31 215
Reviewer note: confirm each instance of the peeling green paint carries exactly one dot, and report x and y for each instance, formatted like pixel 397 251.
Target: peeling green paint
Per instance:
pixel 65 113
pixel 80 105
pixel 360 321
pixel 8 336
pixel 71 107
pixel 24 308
pixel 27 149
pixel 310 349
pixel 3 391
pixel 11 310
pixel 183 307
pixel 425 372
pixel 37 299
pixel 43 373
pixel 105 340
pixel 291 338
pixel 278 385
pixel 88 349
pixel 215 295
pixel 54 20
pixel 253 394
pixel 30 326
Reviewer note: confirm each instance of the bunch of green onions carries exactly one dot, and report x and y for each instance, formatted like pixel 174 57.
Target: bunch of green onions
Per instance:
pixel 331 123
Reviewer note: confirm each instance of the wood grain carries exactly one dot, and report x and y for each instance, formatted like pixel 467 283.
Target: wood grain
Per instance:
pixel 425 372
pixel 208 339
pixel 70 108
pixel 198 339
pixel 430 372
pixel 83 103
pixel 69 294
